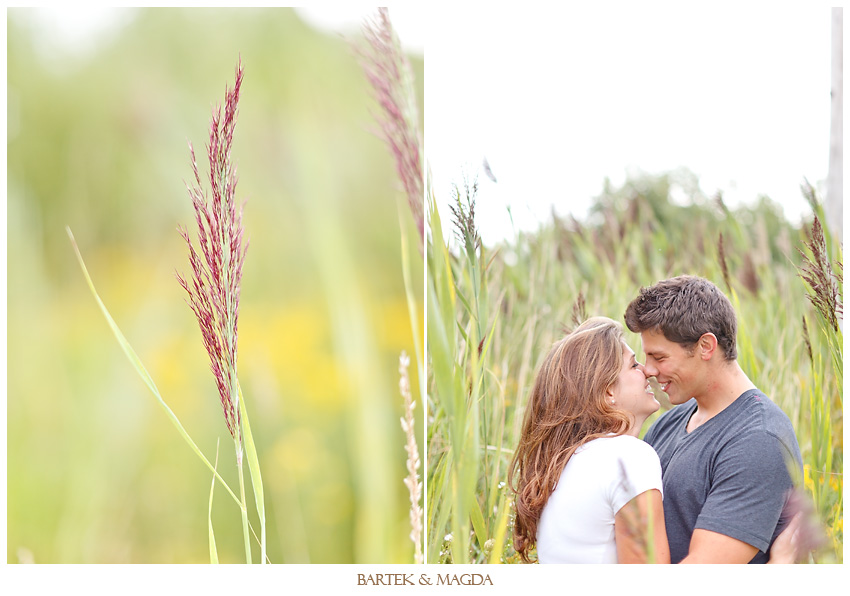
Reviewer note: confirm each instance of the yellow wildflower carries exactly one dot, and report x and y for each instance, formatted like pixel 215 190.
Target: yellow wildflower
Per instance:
pixel 833 482
pixel 807 478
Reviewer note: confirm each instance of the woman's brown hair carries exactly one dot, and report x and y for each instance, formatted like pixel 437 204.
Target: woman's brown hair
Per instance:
pixel 567 408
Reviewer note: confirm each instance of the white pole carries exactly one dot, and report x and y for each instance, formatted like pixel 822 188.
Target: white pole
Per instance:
pixel 835 179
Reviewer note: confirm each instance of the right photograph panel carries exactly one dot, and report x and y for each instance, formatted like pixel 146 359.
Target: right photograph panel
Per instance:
pixel 634 286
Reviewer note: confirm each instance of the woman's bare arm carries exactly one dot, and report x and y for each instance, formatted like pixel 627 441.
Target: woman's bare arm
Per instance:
pixel 631 529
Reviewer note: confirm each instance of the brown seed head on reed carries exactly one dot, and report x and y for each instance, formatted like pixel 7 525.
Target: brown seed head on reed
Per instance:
pixel 749 275
pixel 213 288
pixel 579 311
pixel 807 340
pixel 809 194
pixel 388 71
pixel 463 216
pixel 721 256
pixel 721 205
pixel 817 272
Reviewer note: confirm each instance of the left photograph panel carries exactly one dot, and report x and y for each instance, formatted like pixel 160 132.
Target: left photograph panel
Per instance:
pixel 215 286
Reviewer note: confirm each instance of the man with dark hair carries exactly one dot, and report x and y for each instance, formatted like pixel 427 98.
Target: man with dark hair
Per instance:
pixel 726 447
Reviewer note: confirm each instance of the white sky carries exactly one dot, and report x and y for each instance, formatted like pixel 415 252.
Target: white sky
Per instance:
pixel 558 99
pixel 79 28
pixel 407 20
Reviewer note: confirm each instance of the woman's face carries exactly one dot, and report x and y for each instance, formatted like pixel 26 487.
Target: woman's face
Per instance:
pixel 632 391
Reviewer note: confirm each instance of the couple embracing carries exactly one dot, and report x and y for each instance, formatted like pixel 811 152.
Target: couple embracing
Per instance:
pixel 713 473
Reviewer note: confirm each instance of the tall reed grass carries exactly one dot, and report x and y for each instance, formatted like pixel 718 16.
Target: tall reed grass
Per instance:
pixel 388 71
pixel 822 273
pixel 213 295
pixel 493 311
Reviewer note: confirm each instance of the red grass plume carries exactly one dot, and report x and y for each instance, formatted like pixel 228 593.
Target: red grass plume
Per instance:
pixel 388 71
pixel 213 288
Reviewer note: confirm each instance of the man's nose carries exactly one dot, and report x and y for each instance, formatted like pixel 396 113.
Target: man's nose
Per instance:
pixel 649 369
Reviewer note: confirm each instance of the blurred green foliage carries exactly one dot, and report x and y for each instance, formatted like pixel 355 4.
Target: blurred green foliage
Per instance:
pixel 95 472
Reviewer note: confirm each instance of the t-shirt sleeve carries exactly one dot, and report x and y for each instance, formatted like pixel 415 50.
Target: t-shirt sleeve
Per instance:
pixel 749 484
pixel 639 470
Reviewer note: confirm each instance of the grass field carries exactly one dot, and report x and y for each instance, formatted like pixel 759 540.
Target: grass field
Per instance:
pixel 494 310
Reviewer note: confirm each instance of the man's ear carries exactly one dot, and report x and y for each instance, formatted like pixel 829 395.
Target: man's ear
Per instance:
pixel 707 345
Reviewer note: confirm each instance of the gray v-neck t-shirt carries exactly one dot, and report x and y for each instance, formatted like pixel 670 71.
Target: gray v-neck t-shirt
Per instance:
pixel 729 475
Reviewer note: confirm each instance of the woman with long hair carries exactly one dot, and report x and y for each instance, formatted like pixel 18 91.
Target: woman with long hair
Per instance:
pixel 587 489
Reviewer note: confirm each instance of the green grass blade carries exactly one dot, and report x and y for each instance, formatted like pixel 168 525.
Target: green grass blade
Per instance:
pixel 243 509
pixel 254 469
pixel 137 364
pixel 478 524
pixel 500 534
pixel 411 306
pixel 438 513
pixel 213 550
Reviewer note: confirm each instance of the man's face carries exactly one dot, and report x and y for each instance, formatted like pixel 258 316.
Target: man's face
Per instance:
pixel 678 371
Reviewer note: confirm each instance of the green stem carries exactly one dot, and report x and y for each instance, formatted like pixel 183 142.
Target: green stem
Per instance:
pixel 140 369
pixel 243 505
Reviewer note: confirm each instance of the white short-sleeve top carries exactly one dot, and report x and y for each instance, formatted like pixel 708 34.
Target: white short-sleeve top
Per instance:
pixel 577 523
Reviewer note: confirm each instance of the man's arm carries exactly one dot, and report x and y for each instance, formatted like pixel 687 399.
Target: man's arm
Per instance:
pixel 711 547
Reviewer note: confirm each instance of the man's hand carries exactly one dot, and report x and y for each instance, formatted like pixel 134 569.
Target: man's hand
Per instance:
pixel 711 547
